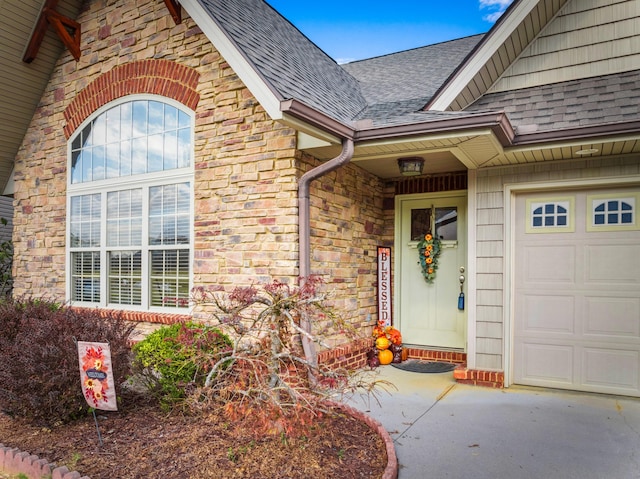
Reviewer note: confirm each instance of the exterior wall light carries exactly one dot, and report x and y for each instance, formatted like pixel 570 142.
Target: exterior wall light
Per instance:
pixel 411 166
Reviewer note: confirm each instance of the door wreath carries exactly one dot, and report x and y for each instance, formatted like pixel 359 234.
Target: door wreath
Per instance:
pixel 428 252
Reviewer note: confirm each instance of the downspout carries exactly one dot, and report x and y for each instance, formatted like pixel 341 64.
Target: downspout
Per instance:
pixel 304 226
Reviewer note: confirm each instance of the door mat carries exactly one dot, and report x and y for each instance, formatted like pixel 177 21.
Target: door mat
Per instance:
pixel 416 366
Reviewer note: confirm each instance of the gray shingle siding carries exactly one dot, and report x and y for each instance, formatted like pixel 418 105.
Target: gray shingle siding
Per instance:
pixel 599 100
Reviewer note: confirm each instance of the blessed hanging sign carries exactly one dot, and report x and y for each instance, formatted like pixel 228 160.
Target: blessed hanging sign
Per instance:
pixel 96 375
pixel 384 285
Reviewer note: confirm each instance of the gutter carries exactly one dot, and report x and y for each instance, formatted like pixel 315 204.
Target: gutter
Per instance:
pixel 304 226
pixel 303 201
pixel 497 121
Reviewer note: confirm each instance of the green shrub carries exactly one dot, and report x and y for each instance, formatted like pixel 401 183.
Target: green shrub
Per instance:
pixel 174 359
pixel 39 371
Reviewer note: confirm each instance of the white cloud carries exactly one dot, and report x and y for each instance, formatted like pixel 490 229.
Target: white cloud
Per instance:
pixel 496 8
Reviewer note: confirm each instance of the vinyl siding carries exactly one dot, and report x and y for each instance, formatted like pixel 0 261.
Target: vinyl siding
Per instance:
pixel 588 38
pixel 6 212
pixel 490 239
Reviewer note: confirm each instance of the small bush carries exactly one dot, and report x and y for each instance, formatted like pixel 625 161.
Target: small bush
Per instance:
pixel 39 371
pixel 174 359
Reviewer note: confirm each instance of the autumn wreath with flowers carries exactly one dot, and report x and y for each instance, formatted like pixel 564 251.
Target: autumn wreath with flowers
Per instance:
pixel 428 252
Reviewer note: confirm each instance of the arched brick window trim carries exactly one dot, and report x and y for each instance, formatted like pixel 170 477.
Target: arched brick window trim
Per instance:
pixel 160 77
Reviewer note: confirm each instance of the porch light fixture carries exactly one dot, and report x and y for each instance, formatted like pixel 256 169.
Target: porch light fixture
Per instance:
pixel 411 165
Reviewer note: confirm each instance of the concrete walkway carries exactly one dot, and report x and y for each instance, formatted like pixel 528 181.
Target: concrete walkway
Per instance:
pixel 442 429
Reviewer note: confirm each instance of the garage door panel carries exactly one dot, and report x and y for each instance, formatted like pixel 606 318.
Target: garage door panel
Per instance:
pixel 612 316
pixel 576 297
pixel 612 264
pixel 547 313
pixel 615 370
pixel 540 363
pixel 547 264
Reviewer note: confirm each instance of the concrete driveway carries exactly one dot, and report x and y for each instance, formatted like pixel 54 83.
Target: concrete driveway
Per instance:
pixel 442 429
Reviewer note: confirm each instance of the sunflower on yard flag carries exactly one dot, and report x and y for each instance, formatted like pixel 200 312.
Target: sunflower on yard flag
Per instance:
pixel 96 375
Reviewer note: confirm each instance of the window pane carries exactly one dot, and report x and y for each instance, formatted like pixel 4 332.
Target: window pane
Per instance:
pixel 156 117
pixel 420 223
pixel 170 150
pixel 113 124
pixel 184 148
pixel 76 167
pixel 85 276
pixel 87 165
pixel 126 121
pixel 124 218
pixel 85 221
pixel 139 156
pixel 170 278
pixel 113 160
pixel 156 144
pixel 125 158
pixel 170 118
pixel 139 119
pixel 98 163
pixel 125 277
pixel 169 217
pixel 447 223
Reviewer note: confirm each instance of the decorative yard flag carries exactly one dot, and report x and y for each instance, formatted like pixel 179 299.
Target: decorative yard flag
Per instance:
pixel 96 375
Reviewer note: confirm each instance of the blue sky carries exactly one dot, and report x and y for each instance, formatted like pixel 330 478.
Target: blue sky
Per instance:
pixel 350 30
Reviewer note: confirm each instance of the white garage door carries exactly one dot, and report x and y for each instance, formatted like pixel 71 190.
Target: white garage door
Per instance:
pixel 577 291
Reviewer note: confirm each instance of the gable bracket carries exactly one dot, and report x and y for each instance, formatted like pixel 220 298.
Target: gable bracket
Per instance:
pixel 68 31
pixel 174 9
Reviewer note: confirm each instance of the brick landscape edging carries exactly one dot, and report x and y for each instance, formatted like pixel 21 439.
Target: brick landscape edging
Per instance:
pixel 391 471
pixel 14 461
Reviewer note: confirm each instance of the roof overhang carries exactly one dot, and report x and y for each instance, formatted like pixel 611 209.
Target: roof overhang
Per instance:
pixel 456 142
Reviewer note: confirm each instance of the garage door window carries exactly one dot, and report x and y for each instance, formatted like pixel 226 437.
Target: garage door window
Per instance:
pixel 550 215
pixel 610 213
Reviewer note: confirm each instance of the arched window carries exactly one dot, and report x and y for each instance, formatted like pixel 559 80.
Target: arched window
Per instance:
pixel 129 206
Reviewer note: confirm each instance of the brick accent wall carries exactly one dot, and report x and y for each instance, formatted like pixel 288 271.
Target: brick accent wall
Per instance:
pixel 160 77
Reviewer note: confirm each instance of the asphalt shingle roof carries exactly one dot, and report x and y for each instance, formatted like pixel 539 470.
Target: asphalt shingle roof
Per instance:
pixel 404 82
pixel 592 101
pixel 287 60
pixel 393 89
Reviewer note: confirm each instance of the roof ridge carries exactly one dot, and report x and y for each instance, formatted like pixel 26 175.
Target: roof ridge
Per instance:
pixel 414 49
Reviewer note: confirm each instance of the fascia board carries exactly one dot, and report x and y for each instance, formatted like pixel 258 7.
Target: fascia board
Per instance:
pixel 245 70
pixel 480 58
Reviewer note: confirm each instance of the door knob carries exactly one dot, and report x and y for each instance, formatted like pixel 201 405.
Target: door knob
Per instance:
pixel 461 278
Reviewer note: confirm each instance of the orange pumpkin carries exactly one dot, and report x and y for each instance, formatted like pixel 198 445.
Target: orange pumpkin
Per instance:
pixel 385 356
pixel 382 343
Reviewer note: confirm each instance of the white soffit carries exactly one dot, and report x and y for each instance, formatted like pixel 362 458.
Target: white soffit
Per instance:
pixel 243 68
pixel 483 55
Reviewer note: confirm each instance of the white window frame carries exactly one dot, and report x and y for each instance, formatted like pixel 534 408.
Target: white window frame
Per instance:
pixel 143 181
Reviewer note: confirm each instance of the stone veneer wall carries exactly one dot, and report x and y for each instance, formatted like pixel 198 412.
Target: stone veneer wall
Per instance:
pixel 347 225
pixel 246 166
